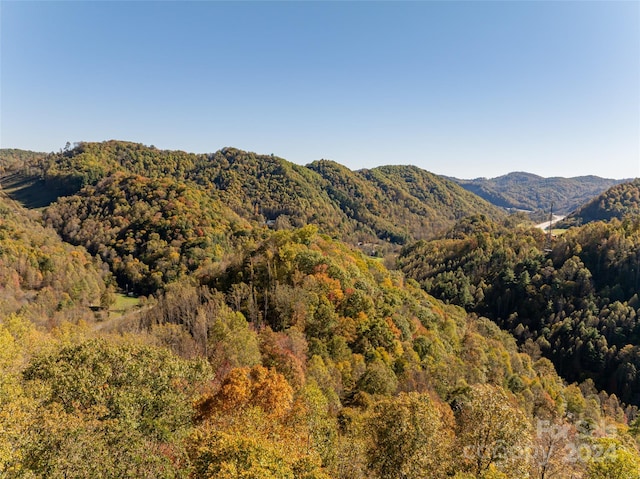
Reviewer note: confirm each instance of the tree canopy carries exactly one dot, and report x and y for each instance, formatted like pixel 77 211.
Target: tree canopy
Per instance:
pixel 268 344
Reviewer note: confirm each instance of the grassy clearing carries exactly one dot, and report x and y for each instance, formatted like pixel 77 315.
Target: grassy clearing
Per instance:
pixel 122 305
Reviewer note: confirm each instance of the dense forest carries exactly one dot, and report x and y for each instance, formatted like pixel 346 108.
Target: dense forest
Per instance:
pixel 577 302
pixel 399 203
pixel 12 159
pixel 618 202
pixel 42 278
pixel 259 344
pixel 355 206
pixel 531 192
pixel 150 231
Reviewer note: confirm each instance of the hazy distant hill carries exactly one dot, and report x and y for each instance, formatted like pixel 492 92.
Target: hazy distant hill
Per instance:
pixel 393 204
pixel 617 202
pixel 531 192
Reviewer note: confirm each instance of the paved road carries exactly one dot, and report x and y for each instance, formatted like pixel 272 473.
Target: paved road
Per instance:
pixel 545 226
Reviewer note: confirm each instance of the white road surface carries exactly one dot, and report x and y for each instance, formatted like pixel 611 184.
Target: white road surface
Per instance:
pixel 545 226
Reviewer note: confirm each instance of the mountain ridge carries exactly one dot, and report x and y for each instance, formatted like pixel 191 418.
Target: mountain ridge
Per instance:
pixel 515 190
pixel 265 187
pixel 618 202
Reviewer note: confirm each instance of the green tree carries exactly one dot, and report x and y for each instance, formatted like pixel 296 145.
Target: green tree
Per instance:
pixel 411 438
pixel 492 431
pixel 110 410
pixel 613 460
pixel 219 455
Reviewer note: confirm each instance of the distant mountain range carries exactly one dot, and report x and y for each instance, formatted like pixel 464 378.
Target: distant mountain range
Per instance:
pixel 530 192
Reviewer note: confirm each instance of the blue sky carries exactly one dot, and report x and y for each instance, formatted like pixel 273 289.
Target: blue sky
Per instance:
pixel 465 89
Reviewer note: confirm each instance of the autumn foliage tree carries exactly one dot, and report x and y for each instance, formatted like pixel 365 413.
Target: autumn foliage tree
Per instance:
pixel 416 435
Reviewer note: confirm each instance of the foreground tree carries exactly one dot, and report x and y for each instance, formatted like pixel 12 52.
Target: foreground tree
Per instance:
pixel 555 451
pixel 252 427
pixel 110 411
pixel 492 432
pixel 613 460
pixel 411 438
pixel 219 455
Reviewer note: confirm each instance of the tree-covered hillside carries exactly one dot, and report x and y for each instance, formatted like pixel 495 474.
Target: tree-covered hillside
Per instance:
pixel 399 202
pixel 21 180
pixel 617 202
pixel 307 360
pixel 150 232
pixel 531 192
pixel 578 304
pixel 41 277
pixel 12 158
pixel 280 351
pixel 396 204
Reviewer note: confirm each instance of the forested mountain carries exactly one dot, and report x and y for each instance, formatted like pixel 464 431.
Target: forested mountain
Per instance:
pixel 399 202
pixel 86 162
pixel 578 304
pixel 531 192
pixel 278 351
pixel 265 188
pixel 150 231
pixel 617 202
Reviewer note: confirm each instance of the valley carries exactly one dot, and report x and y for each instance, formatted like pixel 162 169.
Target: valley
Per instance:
pixel 181 315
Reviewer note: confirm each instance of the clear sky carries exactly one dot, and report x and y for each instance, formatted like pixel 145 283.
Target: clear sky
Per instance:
pixel 465 89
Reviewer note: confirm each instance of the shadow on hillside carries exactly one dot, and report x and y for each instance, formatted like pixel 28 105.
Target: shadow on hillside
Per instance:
pixel 30 191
